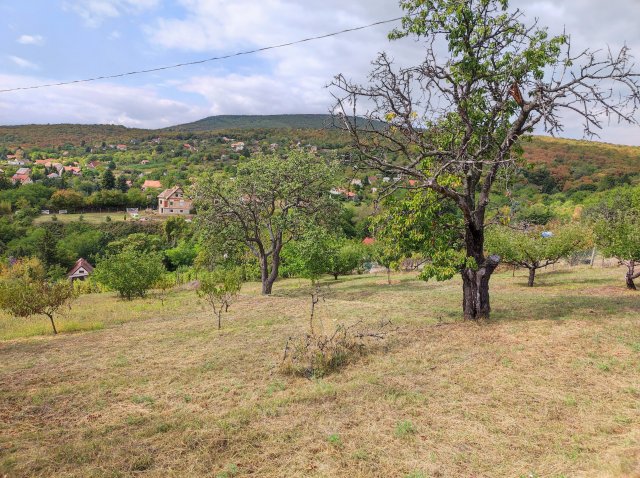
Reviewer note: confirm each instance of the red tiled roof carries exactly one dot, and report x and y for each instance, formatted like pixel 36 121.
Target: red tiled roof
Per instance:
pixel 80 263
pixel 150 183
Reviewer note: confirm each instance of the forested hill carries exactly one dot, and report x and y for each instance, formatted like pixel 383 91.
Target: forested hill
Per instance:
pixel 576 165
pixel 56 135
pixel 223 122
pixel 559 164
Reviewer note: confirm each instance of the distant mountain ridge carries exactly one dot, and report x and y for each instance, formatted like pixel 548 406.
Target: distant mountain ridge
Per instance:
pixel 284 121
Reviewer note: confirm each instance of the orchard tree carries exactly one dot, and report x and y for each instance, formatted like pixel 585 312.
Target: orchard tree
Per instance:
pixel 453 122
pixel 347 256
pixel 219 288
pixel 536 248
pixel 265 206
pixel 25 291
pixel 130 273
pixel 616 219
pixel 387 254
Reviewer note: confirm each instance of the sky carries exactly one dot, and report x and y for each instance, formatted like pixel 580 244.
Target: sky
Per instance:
pixel 45 41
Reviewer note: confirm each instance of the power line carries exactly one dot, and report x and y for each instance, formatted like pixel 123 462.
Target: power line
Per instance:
pixel 199 62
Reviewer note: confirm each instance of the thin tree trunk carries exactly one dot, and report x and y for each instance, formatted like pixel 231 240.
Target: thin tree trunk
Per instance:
pixel 269 277
pixel 335 276
pixel 532 276
pixel 593 257
pixel 388 275
pixel 53 324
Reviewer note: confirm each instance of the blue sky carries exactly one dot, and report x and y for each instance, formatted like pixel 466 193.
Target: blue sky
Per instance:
pixel 58 40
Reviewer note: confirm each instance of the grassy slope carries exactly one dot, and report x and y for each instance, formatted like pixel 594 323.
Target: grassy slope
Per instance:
pixel 92 217
pixel 549 388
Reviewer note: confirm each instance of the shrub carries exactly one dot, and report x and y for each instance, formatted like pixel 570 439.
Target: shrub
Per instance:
pixel 317 355
pixel 129 273
pixel 219 288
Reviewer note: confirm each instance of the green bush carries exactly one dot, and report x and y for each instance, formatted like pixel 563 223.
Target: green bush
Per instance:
pixel 129 273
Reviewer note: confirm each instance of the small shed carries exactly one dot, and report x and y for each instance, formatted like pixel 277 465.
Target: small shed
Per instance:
pixel 80 270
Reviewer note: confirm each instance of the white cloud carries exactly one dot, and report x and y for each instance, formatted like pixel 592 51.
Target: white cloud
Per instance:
pixel 22 63
pixel 103 103
pixel 94 12
pixel 30 40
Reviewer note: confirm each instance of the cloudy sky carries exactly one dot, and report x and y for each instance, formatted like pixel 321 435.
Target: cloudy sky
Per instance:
pixel 46 41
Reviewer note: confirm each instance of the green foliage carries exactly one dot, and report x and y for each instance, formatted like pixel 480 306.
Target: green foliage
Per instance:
pixel 405 429
pixel 387 254
pixel 163 285
pixel 616 221
pixel 108 180
pixel 420 222
pixel 529 248
pixel 66 199
pixel 310 255
pixel 25 290
pixel 129 272
pixel 537 214
pixel 219 288
pixel 184 254
pixel 269 203
pixel 136 242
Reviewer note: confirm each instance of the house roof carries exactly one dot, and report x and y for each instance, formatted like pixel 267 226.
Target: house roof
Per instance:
pixel 80 263
pixel 150 183
pixel 167 193
pixel 367 241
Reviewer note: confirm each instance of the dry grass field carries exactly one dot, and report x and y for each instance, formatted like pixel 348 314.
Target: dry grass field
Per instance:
pixel 550 387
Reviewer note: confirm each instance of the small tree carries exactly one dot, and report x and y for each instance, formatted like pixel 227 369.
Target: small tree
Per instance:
pixel 25 291
pixel 219 289
pixel 616 220
pixel 163 285
pixel 617 236
pixel 108 180
pixel 387 254
pixel 347 256
pixel 534 248
pixel 129 273
pixel 267 205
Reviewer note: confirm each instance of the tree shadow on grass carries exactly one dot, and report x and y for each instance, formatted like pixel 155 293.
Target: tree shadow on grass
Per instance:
pixel 567 307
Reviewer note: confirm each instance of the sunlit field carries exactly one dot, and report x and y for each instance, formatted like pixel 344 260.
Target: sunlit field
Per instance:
pixel 550 387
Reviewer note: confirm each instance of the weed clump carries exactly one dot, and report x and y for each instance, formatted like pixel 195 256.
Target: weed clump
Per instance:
pixel 317 354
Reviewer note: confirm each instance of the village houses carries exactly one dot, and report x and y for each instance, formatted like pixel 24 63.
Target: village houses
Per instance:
pixel 173 201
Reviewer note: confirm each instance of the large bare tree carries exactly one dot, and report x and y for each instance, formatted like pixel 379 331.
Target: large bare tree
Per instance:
pixel 453 122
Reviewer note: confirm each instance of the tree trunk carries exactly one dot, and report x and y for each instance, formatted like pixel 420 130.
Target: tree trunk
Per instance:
pixel 53 324
pixel 270 276
pixel 475 288
pixel 475 282
pixel 389 275
pixel 532 276
pixel 335 276
pixel 631 276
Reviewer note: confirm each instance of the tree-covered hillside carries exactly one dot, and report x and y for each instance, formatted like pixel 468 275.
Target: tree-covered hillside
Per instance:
pixel 222 122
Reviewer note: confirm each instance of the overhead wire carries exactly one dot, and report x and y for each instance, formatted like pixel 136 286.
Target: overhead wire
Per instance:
pixel 205 60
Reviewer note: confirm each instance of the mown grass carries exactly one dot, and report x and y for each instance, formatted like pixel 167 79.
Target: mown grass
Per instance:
pixel 88 217
pixel 550 387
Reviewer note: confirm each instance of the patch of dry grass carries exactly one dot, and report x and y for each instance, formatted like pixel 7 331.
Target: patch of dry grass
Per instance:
pixel 550 387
